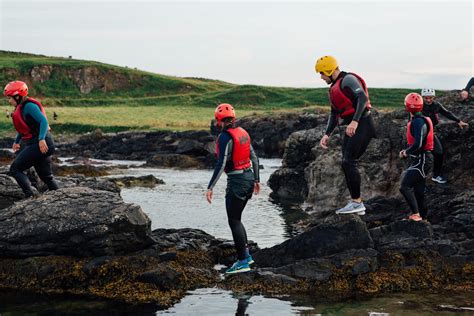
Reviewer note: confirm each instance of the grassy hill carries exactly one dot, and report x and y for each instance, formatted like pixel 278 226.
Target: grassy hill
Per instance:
pixel 88 95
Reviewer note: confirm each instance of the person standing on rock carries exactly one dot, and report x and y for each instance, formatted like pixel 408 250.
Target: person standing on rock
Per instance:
pixel 31 123
pixel 420 138
pixel 235 157
pixel 349 100
pixel 432 109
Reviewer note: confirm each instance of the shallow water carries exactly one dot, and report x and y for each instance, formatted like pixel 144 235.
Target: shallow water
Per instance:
pixel 181 202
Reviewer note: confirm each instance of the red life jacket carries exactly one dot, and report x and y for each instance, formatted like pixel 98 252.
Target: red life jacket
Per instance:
pixel 429 145
pixel 20 124
pixel 240 149
pixel 340 102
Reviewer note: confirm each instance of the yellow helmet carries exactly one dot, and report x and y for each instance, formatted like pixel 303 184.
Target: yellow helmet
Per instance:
pixel 326 65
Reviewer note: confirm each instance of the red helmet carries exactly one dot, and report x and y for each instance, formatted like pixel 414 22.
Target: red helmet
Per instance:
pixel 223 111
pixel 16 88
pixel 413 102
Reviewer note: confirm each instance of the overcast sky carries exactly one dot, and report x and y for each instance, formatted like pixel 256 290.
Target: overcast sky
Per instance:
pixel 389 43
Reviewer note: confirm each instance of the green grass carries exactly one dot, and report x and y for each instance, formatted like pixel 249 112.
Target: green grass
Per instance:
pixel 131 99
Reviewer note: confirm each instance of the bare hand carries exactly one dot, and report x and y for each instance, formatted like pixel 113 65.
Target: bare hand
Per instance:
pixel 16 147
pixel 43 147
pixel 403 154
pixel 209 196
pixel 256 188
pixel 351 128
pixel 324 142
pixel 463 124
pixel 464 95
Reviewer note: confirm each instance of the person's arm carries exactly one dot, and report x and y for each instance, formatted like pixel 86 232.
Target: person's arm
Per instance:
pixel 469 85
pixel 255 164
pixel 352 85
pixel 17 138
pixel 419 130
pixel 34 111
pixel 332 123
pixel 447 114
pixel 225 150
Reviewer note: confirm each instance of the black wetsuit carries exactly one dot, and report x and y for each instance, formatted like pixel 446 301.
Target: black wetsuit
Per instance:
pixel 414 178
pixel 469 85
pixel 30 155
pixel 353 147
pixel 432 110
pixel 240 184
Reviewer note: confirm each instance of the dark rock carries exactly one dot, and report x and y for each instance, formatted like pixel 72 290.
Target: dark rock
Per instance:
pixel 174 161
pixel 73 221
pixel 164 277
pixel 149 181
pixel 94 265
pixel 85 170
pixel 6 156
pixel 334 234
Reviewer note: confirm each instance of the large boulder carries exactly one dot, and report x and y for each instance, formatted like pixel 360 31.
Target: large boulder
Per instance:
pixel 73 221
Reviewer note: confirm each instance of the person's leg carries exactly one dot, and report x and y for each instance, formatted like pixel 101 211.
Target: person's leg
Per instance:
pixel 44 171
pixel 234 207
pixel 23 161
pixel 438 156
pixel 410 179
pixel 353 148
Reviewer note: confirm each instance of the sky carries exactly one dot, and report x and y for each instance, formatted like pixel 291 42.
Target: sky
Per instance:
pixel 392 44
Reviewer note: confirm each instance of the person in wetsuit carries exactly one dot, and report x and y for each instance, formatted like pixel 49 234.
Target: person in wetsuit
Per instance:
pixel 420 138
pixel 31 123
pixel 432 109
pixel 235 157
pixel 467 89
pixel 349 100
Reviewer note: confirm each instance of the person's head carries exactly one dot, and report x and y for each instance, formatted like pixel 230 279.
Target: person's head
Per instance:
pixel 225 115
pixel 413 103
pixel 428 95
pixel 328 68
pixel 16 92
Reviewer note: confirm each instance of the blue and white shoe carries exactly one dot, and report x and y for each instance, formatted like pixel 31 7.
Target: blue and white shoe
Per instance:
pixel 352 207
pixel 439 179
pixel 239 267
pixel 250 260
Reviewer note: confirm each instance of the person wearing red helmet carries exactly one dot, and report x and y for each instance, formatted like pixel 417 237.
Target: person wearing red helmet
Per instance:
pixel 420 138
pixel 235 157
pixel 31 124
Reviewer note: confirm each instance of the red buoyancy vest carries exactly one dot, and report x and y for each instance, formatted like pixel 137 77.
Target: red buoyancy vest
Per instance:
pixel 241 148
pixel 18 121
pixel 429 145
pixel 340 102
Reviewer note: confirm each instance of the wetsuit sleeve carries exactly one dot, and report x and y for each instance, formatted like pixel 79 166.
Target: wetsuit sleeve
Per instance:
pixel 419 130
pixel 34 111
pixel 332 122
pixel 225 150
pixel 255 164
pixel 447 114
pixel 469 85
pixel 17 138
pixel 352 85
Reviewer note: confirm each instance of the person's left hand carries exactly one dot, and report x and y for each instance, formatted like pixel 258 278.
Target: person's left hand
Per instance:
pixel 351 128
pixel 209 196
pixel 462 124
pixel 43 146
pixel 464 95
pixel 403 154
pixel 256 188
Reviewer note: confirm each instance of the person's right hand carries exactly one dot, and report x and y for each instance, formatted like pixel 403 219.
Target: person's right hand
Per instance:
pixel 402 154
pixel 16 147
pixel 464 95
pixel 324 142
pixel 209 196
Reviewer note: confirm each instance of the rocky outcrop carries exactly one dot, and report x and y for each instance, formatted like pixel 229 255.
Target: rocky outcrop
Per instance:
pixel 73 221
pixel 314 175
pixel 149 181
pixel 41 73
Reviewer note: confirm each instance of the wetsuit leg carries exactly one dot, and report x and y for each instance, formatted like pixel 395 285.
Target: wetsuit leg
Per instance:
pixel 414 182
pixel 234 207
pixel 352 149
pixel 27 158
pixel 44 171
pixel 438 155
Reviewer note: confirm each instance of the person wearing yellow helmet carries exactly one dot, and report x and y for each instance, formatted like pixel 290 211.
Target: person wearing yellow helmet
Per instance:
pixel 349 99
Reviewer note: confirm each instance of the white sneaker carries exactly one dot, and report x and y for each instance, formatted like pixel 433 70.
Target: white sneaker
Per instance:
pixel 352 207
pixel 439 179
